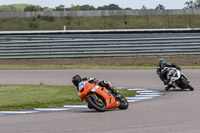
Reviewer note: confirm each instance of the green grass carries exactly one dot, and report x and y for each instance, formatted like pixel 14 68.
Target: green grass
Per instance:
pixel 89 66
pixel 17 97
pixel 102 22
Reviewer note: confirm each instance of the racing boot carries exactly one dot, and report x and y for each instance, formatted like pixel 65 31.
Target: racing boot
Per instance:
pixel 172 86
pixel 167 87
pixel 115 93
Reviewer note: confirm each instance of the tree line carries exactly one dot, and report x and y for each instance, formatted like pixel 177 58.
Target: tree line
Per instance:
pixel 192 4
pixel 28 7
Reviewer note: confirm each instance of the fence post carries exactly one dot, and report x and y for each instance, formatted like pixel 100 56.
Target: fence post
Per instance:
pixel 83 23
pixel 190 21
pixel 168 20
pixel 147 21
pixel 104 21
pixel 126 22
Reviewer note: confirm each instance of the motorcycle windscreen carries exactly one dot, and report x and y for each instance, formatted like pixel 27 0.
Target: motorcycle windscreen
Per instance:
pixel 175 75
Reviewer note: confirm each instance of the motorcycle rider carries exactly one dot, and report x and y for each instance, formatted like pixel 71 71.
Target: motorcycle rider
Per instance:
pixel 77 79
pixel 162 70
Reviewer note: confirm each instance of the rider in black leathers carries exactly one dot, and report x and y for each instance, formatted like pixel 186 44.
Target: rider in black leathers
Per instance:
pixel 77 79
pixel 162 71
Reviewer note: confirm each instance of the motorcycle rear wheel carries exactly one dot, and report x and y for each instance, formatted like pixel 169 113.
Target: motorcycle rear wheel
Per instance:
pixel 123 103
pixel 98 107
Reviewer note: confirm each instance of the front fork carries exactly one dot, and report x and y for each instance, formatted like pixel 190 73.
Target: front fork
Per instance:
pixel 184 77
pixel 98 101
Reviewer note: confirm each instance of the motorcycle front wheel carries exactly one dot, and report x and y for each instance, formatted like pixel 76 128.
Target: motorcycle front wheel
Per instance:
pixel 97 104
pixel 186 85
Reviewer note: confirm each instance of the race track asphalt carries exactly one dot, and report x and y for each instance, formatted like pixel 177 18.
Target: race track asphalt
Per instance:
pixel 175 112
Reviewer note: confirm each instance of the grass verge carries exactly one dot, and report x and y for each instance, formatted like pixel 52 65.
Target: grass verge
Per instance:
pixel 89 66
pixel 28 97
pixel 100 22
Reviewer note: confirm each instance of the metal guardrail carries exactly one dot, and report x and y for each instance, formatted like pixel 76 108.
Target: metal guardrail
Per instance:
pixel 89 36
pixel 63 46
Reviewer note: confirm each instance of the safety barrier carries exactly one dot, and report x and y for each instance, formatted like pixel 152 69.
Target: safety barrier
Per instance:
pixel 91 45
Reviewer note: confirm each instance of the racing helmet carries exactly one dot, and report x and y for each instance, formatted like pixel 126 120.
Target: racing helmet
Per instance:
pixel 162 63
pixel 76 80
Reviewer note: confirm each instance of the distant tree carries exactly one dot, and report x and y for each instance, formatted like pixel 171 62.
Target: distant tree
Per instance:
pixel 13 8
pixel 47 9
pixel 59 8
pixel 87 7
pixel 144 7
pixel 8 8
pixel 109 7
pixel 22 8
pixel 197 4
pixel 189 4
pixel 33 8
pixel 114 7
pixel 75 7
pixel 192 4
pixel 128 8
pixel 160 7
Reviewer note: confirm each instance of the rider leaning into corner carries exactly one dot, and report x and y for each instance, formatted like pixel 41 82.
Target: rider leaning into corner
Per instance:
pixel 162 71
pixel 77 79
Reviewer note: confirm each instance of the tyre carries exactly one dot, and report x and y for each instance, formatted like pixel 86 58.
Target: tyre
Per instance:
pixel 98 105
pixel 186 85
pixel 123 103
pixel 90 106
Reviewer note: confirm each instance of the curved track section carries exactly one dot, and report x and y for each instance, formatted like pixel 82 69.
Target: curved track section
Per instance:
pixel 144 94
pixel 176 112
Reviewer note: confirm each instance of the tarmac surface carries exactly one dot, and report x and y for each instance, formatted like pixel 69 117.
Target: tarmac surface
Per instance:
pixel 175 112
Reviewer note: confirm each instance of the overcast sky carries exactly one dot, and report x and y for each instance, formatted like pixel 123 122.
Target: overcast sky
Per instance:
pixel 134 4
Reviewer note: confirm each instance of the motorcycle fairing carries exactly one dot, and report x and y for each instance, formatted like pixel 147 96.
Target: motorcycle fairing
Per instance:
pixel 109 99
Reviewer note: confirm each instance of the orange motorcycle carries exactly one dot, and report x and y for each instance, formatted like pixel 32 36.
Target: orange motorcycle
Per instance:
pixel 99 98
